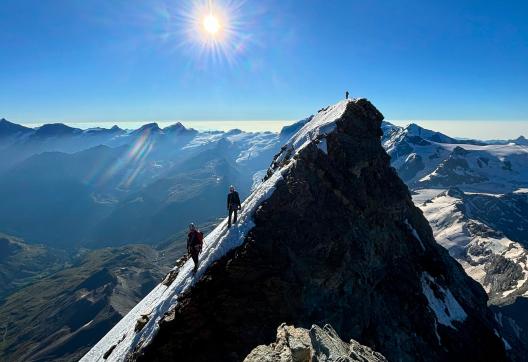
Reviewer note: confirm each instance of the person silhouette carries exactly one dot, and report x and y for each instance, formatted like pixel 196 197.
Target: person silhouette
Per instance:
pixel 346 94
pixel 233 205
pixel 194 244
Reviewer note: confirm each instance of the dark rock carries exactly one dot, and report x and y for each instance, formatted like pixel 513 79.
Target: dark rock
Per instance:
pixel 502 274
pixel 109 352
pixel 141 322
pixel 171 275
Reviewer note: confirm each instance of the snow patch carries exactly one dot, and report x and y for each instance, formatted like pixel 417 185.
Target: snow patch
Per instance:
pixel 442 302
pixel 415 233
pixel 87 324
pixel 322 145
pixel 506 344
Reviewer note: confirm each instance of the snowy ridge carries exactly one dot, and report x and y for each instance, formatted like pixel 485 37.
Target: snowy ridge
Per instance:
pixel 122 339
pixel 162 299
pixel 315 130
pixel 322 123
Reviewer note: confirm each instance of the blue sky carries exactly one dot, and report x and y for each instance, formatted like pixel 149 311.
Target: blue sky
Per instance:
pixel 72 60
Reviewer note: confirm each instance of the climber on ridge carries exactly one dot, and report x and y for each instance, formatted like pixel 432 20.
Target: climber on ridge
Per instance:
pixel 346 95
pixel 194 244
pixel 233 205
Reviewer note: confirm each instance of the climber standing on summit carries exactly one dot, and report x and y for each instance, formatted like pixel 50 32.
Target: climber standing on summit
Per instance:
pixel 346 95
pixel 233 205
pixel 194 244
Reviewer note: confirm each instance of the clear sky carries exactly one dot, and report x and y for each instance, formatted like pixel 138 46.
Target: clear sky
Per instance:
pixel 95 60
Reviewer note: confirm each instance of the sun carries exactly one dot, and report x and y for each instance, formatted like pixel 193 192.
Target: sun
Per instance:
pixel 211 24
pixel 213 32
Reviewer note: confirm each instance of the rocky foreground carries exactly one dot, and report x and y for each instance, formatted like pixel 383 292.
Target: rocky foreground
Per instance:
pixel 314 345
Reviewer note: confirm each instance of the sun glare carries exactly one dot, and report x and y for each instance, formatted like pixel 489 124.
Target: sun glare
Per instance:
pixel 211 24
pixel 214 31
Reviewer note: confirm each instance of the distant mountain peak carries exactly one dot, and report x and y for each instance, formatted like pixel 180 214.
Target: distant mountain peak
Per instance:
pixel 9 128
pixel 174 127
pixel 460 151
pixel 149 128
pixel 56 129
pixel 413 127
pixel 178 128
pixel 521 140
pixel 234 131
pixel 152 125
pixel 103 131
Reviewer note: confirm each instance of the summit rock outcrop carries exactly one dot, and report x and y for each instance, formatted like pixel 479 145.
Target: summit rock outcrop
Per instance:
pixel 314 345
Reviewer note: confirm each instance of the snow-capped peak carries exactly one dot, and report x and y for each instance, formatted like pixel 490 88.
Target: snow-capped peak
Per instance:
pixel 322 123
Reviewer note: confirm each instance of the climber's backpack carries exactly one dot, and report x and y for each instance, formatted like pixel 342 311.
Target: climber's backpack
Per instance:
pixel 198 241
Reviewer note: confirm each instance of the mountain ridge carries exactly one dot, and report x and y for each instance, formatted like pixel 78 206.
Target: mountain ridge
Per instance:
pixel 264 271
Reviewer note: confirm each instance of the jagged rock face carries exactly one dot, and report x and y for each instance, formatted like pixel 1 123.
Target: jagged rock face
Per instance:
pixel 339 241
pixel 506 212
pixel 314 345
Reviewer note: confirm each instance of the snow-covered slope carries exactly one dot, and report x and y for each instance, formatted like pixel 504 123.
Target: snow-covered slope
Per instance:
pixel 122 339
pixel 498 263
pixel 428 159
pixel 490 168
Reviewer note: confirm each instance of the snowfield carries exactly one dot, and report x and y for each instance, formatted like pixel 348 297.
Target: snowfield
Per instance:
pixel 122 339
pixel 477 246
pixel 428 159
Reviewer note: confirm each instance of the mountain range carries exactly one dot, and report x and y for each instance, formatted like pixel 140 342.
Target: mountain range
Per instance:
pixel 68 191
pixel 91 186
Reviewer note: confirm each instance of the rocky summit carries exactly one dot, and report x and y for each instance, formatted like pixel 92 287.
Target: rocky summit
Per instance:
pixel 337 240
pixel 314 345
